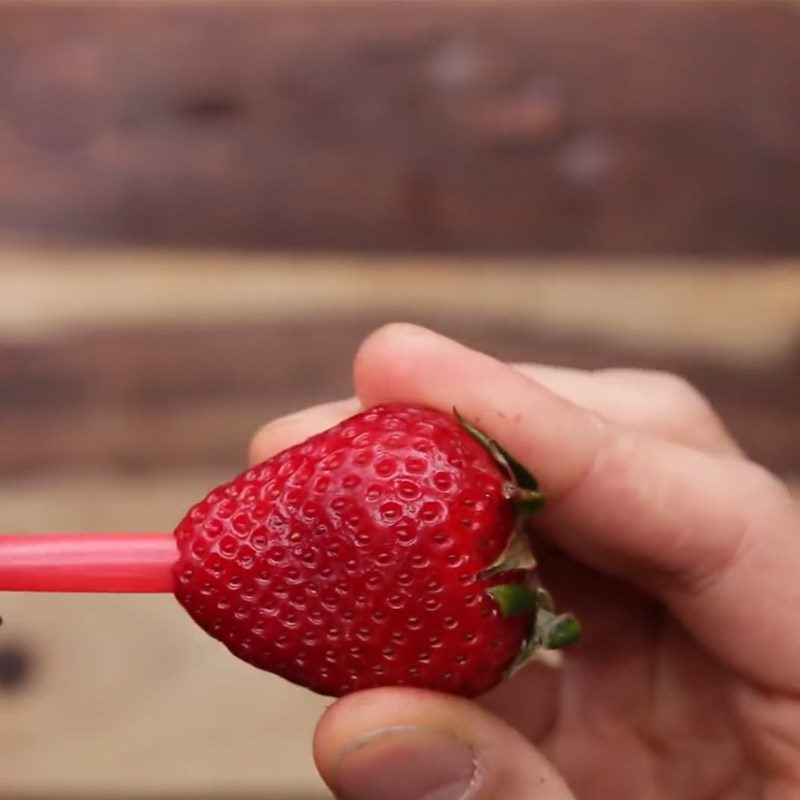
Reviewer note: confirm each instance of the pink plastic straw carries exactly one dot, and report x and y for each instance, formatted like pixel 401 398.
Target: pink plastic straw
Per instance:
pixel 119 562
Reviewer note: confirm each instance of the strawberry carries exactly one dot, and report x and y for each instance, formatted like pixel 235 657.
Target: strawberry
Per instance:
pixel 387 550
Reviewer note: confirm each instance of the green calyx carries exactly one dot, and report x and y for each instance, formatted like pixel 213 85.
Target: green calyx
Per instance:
pixel 526 597
pixel 556 631
pixel 514 599
pixel 522 487
pixel 547 630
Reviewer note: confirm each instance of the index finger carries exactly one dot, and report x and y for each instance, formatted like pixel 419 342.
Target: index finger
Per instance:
pixel 713 537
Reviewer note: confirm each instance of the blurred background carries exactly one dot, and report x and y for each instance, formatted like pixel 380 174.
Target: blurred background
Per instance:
pixel 204 206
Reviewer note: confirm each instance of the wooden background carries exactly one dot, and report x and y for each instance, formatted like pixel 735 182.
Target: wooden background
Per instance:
pixel 621 126
pixel 204 207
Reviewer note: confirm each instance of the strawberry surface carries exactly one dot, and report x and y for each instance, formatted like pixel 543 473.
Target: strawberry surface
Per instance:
pixel 354 559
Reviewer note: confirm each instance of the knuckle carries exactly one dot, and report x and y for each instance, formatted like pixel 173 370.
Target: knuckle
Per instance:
pixel 255 445
pixel 762 485
pixel 672 389
pixel 264 438
pixel 678 388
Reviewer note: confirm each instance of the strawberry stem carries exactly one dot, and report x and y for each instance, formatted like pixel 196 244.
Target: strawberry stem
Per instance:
pixel 109 562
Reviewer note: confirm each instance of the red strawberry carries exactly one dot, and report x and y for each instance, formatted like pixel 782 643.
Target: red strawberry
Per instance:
pixel 380 552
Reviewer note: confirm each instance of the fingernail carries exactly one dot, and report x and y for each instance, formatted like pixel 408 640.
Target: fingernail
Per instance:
pixel 406 764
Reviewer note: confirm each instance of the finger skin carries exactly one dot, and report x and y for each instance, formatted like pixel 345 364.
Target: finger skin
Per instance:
pixel 663 404
pixel 715 538
pixel 656 402
pixel 507 767
pixel 287 431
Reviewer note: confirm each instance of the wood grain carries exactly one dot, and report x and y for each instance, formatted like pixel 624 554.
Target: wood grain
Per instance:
pixel 177 362
pixel 138 400
pixel 126 696
pixel 693 307
pixel 616 126
pixel 130 382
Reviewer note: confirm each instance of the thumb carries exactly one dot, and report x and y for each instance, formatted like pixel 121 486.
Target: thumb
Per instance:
pixel 408 744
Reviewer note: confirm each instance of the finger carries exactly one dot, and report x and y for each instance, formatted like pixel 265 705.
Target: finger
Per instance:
pixel 714 538
pixel 658 402
pixel 663 404
pixel 286 431
pixel 406 744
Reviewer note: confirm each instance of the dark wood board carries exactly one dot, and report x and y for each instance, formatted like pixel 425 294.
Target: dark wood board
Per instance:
pixel 618 126
pixel 158 398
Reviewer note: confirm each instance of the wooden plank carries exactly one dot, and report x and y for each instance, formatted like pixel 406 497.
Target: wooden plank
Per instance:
pixel 81 795
pixel 162 694
pixel 142 399
pixel 130 382
pixel 694 307
pixel 616 126
pixel 133 361
pixel 123 695
pixel 127 696
pixel 216 795
pixel 148 723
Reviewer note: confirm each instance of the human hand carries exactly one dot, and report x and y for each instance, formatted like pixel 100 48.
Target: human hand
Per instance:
pixel 680 557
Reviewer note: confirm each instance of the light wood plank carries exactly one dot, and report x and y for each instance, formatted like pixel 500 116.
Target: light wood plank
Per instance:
pixel 134 360
pixel 127 696
pixel 741 312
